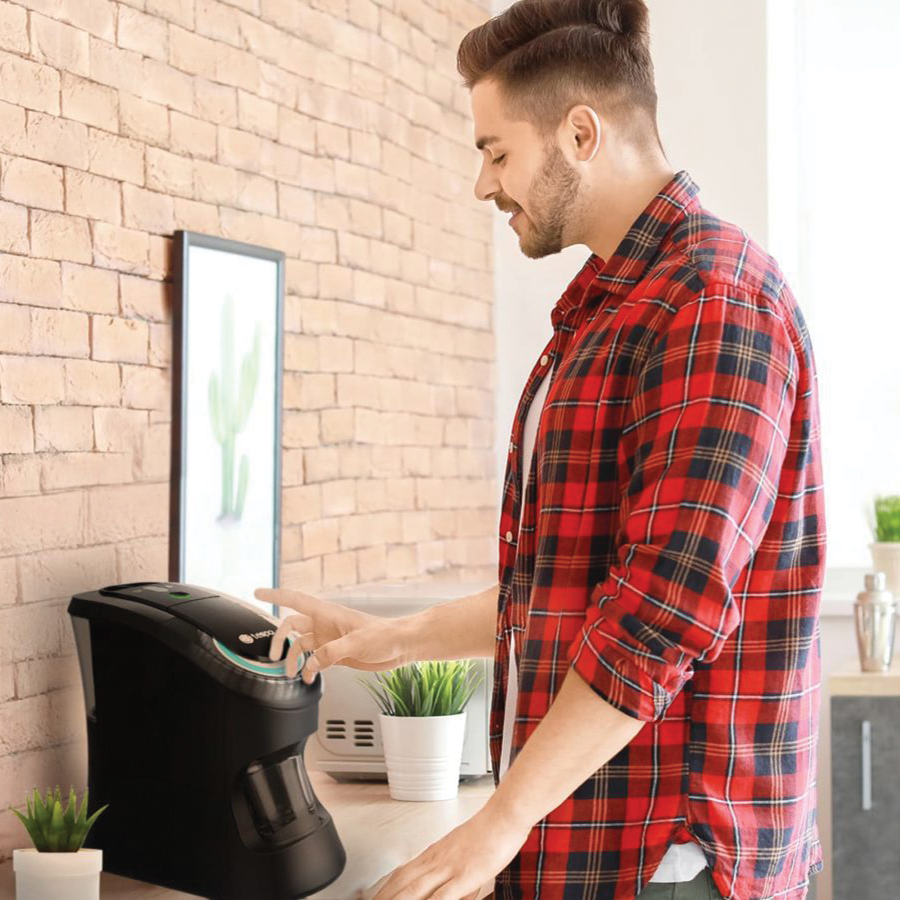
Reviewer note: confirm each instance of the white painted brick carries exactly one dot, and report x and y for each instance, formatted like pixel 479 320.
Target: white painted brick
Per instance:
pixel 58 574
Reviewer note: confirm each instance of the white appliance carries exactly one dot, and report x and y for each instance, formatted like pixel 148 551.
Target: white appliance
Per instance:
pixel 347 744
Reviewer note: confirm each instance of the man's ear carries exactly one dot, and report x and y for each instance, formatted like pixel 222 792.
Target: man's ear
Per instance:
pixel 583 136
pixel 596 119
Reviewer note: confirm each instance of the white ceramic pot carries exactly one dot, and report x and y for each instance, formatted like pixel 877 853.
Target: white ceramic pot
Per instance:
pixel 58 876
pixel 886 558
pixel 423 755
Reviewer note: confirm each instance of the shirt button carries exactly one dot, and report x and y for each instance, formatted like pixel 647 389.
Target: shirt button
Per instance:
pixel 511 446
pixel 509 536
pixel 544 359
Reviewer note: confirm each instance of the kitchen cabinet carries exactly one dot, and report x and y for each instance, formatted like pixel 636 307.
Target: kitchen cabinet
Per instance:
pixel 865 783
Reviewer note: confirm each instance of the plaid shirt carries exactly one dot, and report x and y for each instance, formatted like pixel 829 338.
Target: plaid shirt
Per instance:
pixel 672 550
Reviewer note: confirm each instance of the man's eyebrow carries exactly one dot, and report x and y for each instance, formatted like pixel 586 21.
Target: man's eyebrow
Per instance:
pixel 482 142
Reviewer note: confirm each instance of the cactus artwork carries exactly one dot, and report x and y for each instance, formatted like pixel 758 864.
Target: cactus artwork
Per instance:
pixel 229 409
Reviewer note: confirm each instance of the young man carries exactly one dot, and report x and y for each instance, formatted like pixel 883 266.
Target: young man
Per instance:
pixel 662 543
pixel 667 540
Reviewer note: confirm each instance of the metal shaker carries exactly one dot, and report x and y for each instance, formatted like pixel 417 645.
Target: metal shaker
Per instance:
pixel 875 611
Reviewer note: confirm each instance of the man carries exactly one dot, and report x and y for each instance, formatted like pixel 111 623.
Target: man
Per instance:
pixel 660 570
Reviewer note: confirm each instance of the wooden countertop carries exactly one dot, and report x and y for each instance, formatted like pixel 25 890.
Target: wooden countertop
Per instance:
pixel 360 811
pixel 850 681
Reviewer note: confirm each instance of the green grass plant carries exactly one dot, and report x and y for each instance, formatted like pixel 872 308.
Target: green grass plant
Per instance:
pixel 54 829
pixel 887 518
pixel 430 688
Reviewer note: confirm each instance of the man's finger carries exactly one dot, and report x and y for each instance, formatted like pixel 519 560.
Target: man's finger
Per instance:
pixel 286 597
pixel 295 622
pixel 301 644
pixel 327 655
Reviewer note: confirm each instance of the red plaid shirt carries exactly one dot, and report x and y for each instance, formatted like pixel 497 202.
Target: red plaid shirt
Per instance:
pixel 672 550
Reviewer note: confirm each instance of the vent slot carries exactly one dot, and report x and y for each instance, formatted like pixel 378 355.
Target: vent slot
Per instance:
pixel 335 729
pixel 364 733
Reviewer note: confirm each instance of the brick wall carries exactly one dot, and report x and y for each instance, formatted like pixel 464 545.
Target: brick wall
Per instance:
pixel 335 131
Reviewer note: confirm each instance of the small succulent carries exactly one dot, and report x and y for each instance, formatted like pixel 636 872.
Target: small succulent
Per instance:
pixel 887 518
pixel 53 829
pixel 431 688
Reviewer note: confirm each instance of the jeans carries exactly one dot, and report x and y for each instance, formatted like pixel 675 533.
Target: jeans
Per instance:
pixel 699 888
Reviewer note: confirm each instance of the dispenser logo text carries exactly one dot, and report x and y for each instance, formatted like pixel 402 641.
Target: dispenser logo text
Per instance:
pixel 250 638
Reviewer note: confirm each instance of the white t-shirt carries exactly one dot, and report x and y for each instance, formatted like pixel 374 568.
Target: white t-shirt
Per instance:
pixel 682 862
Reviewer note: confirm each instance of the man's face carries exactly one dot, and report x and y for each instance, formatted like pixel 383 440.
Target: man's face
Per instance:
pixel 523 174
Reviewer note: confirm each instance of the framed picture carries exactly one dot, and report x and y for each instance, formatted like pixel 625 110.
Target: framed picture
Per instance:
pixel 225 510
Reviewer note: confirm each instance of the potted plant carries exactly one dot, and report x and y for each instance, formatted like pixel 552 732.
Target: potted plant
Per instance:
pixel 423 720
pixel 57 867
pixel 886 547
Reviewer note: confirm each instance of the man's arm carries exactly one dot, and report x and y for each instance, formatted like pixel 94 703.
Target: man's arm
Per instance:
pixel 579 733
pixel 703 446
pixel 464 628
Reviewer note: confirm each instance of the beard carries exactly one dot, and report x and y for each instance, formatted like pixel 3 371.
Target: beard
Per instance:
pixel 552 198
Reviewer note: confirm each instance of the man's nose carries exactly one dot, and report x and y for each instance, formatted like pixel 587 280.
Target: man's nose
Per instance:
pixel 486 185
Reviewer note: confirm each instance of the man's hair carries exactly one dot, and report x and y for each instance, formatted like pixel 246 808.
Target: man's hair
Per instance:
pixel 547 56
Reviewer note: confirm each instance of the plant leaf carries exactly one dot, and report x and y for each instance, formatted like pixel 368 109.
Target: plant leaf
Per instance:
pixel 82 813
pixel 34 832
pixel 57 827
pixel 379 698
pixel 41 813
pixel 93 818
pixel 69 817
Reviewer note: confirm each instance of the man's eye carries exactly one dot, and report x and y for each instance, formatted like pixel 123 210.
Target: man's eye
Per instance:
pixel 498 159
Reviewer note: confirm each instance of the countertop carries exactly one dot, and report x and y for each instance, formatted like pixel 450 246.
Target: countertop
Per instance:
pixel 850 681
pixel 361 810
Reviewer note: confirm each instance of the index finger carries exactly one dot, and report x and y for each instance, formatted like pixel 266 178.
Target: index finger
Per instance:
pixel 295 622
pixel 288 600
pixel 282 597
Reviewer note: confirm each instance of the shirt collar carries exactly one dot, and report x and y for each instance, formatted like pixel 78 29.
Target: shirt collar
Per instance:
pixel 629 262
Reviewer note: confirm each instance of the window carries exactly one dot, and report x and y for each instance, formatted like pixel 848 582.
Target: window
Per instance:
pixel 834 199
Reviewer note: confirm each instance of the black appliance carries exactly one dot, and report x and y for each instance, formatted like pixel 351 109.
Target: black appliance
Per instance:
pixel 195 740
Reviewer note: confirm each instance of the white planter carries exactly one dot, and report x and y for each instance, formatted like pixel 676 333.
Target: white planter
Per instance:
pixel 423 755
pixel 886 558
pixel 58 876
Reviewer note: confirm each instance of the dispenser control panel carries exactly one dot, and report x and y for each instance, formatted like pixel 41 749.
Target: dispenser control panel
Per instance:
pixel 162 596
pixel 238 626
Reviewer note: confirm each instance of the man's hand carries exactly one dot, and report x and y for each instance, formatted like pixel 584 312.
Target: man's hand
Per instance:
pixel 456 866
pixel 336 634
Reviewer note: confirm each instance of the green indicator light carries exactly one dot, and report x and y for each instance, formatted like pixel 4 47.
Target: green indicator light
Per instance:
pixel 178 594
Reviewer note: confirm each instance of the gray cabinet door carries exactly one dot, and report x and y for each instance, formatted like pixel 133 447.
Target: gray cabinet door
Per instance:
pixel 865 797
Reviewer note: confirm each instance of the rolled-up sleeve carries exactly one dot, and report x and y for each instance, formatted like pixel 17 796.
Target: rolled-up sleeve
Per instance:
pixel 699 460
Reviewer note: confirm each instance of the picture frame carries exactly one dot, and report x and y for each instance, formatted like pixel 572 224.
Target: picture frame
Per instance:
pixel 227 372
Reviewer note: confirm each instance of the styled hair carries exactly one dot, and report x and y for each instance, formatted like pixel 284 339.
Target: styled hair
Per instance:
pixel 547 56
